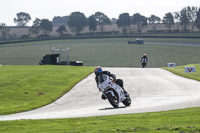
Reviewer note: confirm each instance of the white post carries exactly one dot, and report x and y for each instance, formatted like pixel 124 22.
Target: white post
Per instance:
pixel 60 56
pixel 50 45
pixel 67 56
pixel 52 50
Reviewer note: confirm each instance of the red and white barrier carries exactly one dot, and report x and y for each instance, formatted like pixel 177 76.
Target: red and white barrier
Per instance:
pixel 190 69
pixel 171 64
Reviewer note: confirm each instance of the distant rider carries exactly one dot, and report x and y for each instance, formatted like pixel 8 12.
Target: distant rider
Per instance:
pixel 99 78
pixel 144 60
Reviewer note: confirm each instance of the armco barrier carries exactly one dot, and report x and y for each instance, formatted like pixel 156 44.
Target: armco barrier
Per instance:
pixel 93 37
pixel 189 69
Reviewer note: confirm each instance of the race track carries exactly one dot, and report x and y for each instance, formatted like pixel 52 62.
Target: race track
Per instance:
pixel 151 89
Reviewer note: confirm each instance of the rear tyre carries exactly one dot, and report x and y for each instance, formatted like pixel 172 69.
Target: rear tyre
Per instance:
pixel 113 100
pixel 127 101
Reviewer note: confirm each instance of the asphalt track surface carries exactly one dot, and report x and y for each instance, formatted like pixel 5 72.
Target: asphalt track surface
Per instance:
pixel 151 90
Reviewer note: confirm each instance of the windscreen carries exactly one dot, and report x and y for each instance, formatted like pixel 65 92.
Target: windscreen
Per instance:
pixel 103 78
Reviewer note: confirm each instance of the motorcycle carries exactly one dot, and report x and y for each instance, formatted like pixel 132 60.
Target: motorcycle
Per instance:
pixel 144 62
pixel 113 92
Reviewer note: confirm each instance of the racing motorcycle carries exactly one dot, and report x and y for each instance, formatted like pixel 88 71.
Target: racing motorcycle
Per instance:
pixel 144 62
pixel 113 92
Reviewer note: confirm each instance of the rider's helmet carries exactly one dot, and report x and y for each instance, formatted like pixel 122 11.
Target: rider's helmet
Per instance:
pixel 145 55
pixel 97 70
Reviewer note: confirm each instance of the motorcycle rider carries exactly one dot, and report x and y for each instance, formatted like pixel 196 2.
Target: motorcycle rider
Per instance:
pixel 144 60
pixel 99 78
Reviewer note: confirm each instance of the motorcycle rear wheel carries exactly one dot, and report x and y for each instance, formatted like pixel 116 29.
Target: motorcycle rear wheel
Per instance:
pixel 113 102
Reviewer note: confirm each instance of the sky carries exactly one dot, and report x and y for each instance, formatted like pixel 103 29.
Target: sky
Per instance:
pixel 48 9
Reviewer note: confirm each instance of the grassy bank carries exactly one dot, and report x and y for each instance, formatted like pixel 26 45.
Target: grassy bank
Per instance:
pixel 27 87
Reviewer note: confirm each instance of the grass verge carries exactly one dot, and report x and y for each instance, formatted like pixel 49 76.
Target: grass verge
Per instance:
pixel 180 70
pixel 25 88
pixel 178 121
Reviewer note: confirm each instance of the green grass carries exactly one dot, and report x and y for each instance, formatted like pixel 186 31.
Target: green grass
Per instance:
pixel 179 121
pixel 28 87
pixel 113 52
pixel 105 52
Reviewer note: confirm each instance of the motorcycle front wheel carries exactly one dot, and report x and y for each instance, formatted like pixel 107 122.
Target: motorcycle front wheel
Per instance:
pixel 113 101
pixel 127 101
pixel 143 64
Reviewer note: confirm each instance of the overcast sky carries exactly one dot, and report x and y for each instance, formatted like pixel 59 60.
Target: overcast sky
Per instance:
pixel 112 8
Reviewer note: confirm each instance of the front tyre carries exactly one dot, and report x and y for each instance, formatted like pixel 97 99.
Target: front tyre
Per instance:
pixel 113 100
pixel 143 64
pixel 127 101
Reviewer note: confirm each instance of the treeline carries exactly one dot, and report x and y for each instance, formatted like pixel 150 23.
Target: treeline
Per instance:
pixel 77 22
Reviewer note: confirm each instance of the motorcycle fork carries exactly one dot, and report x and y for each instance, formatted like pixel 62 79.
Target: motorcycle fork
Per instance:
pixel 115 94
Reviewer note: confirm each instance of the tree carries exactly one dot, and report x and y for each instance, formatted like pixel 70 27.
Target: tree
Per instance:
pixel 168 20
pixel 61 29
pixel 139 20
pixel 184 19
pixel 77 22
pixel 37 22
pixel 124 21
pixel 22 18
pixel 4 30
pixel 46 26
pixel 92 23
pixel 192 15
pixel 35 29
pixel 177 19
pixel 197 21
pixel 113 21
pixel 59 21
pixel 153 20
pixel 102 20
